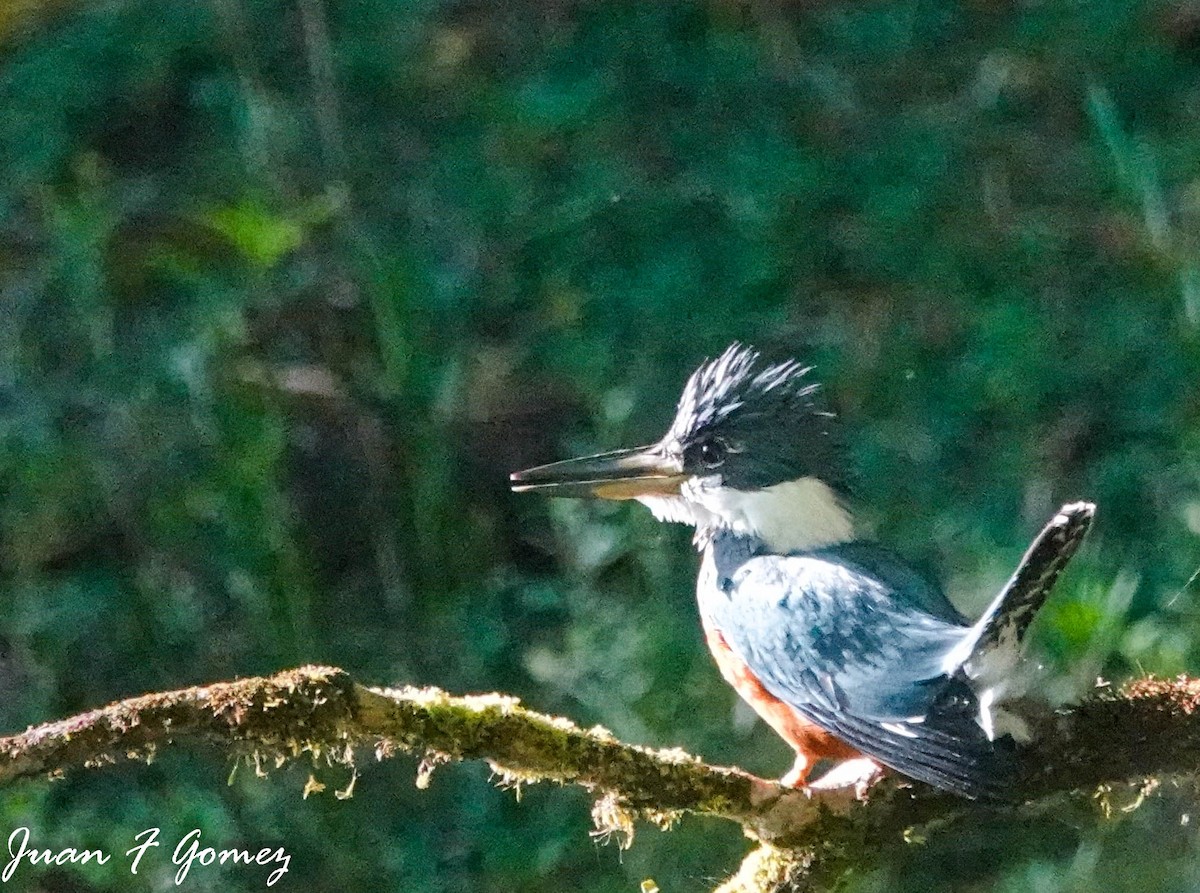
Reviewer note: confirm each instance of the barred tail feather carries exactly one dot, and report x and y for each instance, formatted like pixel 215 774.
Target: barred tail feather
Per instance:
pixel 1002 627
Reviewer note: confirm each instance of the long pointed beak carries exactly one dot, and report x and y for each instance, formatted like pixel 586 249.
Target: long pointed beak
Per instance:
pixel 622 474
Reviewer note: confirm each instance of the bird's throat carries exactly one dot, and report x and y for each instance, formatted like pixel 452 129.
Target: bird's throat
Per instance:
pixel 793 516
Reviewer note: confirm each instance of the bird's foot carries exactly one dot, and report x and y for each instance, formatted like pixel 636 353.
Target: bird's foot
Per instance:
pixel 859 773
pixel 797 776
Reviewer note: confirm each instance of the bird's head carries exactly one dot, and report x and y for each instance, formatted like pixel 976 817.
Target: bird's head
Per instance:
pixel 750 450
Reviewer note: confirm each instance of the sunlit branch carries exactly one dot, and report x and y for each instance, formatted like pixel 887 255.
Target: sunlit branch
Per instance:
pixel 1145 731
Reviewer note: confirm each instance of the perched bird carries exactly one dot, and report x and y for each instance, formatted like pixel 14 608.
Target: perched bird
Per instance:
pixel 845 651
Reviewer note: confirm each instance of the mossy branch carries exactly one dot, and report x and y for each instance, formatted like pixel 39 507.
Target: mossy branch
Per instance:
pixel 1145 730
pixel 322 710
pixel 1138 735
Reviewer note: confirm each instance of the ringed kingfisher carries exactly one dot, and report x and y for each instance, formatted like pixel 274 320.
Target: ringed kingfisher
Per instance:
pixel 845 651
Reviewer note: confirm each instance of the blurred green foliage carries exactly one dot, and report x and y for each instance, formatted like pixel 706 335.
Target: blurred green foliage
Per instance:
pixel 288 288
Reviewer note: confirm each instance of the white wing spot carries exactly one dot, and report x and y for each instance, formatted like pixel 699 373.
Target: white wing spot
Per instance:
pixel 896 729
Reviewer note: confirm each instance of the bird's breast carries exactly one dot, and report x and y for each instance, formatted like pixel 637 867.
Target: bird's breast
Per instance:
pixel 804 736
pixel 714 595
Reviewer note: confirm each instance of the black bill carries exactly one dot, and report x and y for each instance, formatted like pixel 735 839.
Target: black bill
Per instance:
pixel 622 474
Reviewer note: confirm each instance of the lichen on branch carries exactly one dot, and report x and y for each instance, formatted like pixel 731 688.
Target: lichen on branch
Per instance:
pixel 1144 730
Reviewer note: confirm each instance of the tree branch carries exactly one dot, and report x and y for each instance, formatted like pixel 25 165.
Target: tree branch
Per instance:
pixel 322 711
pixel 1146 730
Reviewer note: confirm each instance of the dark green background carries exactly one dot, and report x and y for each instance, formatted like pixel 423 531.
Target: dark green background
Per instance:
pixel 287 289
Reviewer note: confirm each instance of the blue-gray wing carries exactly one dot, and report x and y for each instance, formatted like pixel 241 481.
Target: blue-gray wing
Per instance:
pixel 837 638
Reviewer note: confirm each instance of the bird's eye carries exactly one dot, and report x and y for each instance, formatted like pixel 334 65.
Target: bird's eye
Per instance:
pixel 713 452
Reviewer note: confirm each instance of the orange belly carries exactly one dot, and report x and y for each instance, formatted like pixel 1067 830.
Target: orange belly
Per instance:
pixel 810 741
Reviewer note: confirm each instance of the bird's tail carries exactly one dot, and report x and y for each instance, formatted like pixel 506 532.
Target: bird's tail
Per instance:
pixel 1002 627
